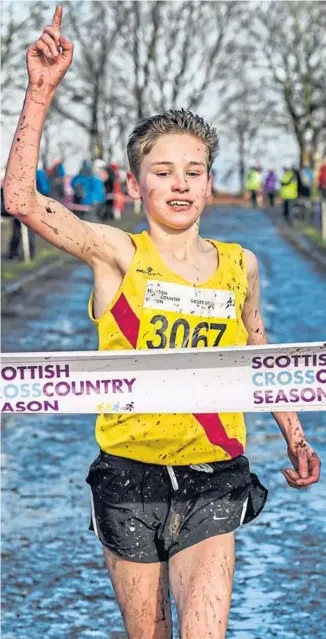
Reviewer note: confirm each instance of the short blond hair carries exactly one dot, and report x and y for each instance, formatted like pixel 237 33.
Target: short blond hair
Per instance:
pixel 148 130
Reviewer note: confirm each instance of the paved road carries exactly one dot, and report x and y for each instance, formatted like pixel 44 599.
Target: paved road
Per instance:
pixel 54 581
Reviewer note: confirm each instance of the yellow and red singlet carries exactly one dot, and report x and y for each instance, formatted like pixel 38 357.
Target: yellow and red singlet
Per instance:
pixel 156 308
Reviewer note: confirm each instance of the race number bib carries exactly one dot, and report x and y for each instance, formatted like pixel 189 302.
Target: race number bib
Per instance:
pixel 179 316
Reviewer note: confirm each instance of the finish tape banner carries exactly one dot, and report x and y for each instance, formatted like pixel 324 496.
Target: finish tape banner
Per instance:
pixel 204 380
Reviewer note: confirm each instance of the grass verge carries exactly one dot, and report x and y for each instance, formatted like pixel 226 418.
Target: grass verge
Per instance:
pixel 315 236
pixel 13 269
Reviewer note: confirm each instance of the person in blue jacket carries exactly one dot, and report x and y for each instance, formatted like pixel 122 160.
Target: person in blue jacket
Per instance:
pixel 98 190
pixel 88 188
pixel 82 185
pixel 42 182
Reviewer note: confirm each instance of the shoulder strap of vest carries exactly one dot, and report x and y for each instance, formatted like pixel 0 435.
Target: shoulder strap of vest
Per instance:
pixel 144 251
pixel 138 239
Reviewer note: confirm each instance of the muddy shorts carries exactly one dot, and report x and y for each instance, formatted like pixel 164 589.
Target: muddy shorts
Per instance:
pixel 148 512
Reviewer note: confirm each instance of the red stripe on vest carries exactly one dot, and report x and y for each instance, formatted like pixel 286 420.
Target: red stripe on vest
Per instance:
pixel 126 319
pixel 128 323
pixel 217 434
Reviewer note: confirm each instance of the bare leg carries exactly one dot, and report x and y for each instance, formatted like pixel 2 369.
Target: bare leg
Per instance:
pixel 142 593
pixel 201 579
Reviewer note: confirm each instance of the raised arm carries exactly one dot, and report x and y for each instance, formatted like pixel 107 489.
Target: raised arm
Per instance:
pixel 48 59
pixel 305 461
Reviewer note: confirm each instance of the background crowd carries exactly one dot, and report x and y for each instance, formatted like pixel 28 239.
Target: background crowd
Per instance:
pixel 292 187
pixel 97 191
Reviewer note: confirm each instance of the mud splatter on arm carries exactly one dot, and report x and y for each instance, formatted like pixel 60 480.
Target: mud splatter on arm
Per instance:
pixel 47 217
pixel 291 428
pixel 20 181
pixel 251 314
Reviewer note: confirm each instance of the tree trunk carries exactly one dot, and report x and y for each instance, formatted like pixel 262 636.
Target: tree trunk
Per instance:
pixel 302 152
pixel 94 138
pixel 315 149
pixel 241 151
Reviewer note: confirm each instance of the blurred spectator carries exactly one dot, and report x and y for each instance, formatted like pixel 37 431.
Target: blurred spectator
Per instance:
pixel 42 182
pixel 56 174
pixel 253 184
pixel 305 180
pixel 119 198
pixel 288 192
pixel 106 173
pixel 270 186
pixel 82 185
pixel 88 187
pixel 98 190
pixel 109 189
pixel 322 180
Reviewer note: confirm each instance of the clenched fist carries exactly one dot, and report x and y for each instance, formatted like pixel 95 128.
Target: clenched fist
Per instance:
pixel 50 57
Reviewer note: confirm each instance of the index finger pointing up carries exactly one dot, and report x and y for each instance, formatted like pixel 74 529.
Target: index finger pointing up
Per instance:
pixel 57 17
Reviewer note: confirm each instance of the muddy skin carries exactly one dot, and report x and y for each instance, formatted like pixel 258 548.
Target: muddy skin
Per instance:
pixel 301 444
pixel 54 229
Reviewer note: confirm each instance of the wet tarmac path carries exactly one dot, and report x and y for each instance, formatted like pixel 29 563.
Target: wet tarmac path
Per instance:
pixel 54 583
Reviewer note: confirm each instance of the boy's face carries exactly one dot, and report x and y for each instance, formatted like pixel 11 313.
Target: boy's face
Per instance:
pixel 173 183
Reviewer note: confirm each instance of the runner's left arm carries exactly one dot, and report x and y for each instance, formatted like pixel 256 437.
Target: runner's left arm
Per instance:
pixel 305 461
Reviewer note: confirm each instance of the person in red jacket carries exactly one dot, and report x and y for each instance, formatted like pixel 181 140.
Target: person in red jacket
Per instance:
pixel 118 196
pixel 322 180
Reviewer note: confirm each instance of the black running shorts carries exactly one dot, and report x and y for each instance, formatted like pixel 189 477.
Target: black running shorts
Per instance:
pixel 148 512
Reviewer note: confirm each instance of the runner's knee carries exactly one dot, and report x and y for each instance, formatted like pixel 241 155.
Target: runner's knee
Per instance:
pixel 142 593
pixel 201 579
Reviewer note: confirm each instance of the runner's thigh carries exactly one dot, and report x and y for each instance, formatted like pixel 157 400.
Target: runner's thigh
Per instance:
pixel 201 579
pixel 142 593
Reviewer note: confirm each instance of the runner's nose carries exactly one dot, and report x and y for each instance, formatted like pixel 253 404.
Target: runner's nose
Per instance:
pixel 180 184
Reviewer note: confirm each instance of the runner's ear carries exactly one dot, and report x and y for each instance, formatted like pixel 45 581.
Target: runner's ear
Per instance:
pixel 133 186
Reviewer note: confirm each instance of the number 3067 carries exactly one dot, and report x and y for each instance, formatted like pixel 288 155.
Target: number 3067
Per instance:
pixel 181 335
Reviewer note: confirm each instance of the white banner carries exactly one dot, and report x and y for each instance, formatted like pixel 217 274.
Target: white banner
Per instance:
pixel 205 380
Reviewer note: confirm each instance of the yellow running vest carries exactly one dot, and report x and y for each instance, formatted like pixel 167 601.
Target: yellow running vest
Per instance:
pixel 156 308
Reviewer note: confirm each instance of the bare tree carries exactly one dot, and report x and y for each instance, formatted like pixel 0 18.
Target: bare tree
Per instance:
pixel 155 61
pixel 16 30
pixel 143 36
pixel 90 96
pixel 247 115
pixel 292 38
pixel 178 52
pixel 95 28
pixel 134 58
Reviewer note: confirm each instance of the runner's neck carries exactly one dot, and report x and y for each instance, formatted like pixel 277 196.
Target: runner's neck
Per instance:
pixel 180 243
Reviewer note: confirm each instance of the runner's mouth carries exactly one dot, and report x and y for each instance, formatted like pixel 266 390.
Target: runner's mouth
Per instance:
pixel 180 203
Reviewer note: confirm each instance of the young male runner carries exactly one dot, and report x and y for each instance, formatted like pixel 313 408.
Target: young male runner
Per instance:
pixel 168 490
